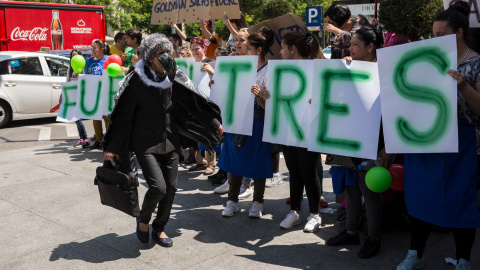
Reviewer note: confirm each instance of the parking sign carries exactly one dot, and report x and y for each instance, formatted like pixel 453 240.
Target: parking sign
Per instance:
pixel 314 18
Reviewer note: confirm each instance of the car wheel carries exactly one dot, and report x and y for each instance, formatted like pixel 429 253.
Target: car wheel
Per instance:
pixel 5 113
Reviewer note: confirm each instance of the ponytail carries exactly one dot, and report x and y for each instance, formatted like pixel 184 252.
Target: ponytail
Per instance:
pixel 262 39
pixel 307 44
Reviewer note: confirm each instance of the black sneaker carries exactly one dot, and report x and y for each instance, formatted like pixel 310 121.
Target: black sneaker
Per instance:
pixel 96 145
pixel 343 238
pixel 370 248
pixel 218 181
pixel 214 176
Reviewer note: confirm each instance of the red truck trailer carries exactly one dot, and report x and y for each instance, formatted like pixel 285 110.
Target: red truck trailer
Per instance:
pixel 28 26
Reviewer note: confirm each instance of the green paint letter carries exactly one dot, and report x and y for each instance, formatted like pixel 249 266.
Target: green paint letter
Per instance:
pixel 66 101
pixel 328 76
pixel 111 92
pixel 437 58
pixel 232 69
pixel 287 100
pixel 83 108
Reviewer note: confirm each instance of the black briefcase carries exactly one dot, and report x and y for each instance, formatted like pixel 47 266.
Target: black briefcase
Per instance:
pixel 118 188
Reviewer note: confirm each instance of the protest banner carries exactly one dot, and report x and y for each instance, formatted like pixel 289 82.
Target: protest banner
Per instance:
pixel 280 25
pixel 287 111
pixel 234 78
pixel 66 112
pixel 192 11
pixel 192 70
pixel 419 99
pixel 345 114
pixel 201 79
pixel 90 97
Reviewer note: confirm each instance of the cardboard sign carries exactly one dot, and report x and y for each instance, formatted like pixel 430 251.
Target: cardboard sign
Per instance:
pixel 280 25
pixel 419 98
pixel 192 11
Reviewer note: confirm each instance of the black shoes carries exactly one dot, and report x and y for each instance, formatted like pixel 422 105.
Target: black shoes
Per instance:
pixel 96 145
pixel 219 178
pixel 164 242
pixel 370 248
pixel 142 236
pixel 344 238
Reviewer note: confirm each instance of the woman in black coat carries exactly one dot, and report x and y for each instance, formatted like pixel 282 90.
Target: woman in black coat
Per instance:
pixel 156 104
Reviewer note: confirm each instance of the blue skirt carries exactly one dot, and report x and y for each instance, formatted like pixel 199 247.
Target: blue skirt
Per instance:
pixel 342 177
pixel 253 160
pixel 441 188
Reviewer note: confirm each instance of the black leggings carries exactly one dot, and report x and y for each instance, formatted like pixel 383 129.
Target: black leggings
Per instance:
pixel 463 238
pixel 276 163
pixel 302 165
pixel 236 183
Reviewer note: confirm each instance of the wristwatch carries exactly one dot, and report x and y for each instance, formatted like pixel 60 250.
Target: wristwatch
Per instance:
pixel 257 98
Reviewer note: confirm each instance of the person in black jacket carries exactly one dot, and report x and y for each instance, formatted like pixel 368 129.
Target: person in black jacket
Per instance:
pixel 157 102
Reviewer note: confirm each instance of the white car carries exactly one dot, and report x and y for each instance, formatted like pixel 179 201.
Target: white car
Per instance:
pixel 30 85
pixel 327 52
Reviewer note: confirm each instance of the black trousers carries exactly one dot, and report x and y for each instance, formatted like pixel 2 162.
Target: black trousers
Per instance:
pixel 236 183
pixel 463 238
pixel 160 172
pixel 302 165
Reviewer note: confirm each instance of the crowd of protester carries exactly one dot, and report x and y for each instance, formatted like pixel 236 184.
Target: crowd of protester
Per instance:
pixel 247 165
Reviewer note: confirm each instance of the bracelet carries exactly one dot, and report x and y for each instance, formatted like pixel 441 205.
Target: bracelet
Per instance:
pixel 257 98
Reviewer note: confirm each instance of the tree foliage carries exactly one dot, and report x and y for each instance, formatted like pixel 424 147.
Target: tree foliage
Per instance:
pixel 411 18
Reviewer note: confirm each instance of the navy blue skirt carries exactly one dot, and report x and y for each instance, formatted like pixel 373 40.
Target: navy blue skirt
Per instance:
pixel 441 188
pixel 253 160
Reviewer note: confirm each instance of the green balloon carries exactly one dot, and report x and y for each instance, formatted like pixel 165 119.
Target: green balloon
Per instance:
pixel 78 63
pixel 378 179
pixel 114 69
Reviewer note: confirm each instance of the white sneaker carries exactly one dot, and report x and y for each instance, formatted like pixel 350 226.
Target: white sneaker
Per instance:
pixel 256 210
pixel 223 188
pixel 245 192
pixel 273 182
pixel 411 261
pixel 230 208
pixel 313 224
pixel 290 220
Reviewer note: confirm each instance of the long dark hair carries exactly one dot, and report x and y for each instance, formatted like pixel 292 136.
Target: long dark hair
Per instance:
pixel 70 69
pixel 339 13
pixel 371 34
pixel 456 17
pixel 307 45
pixel 262 39
pixel 103 45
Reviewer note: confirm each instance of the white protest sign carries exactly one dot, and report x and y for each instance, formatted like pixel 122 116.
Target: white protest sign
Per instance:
pixel 66 112
pixel 287 111
pixel 89 96
pixel 419 99
pixel 474 11
pixel 109 90
pixel 345 110
pixel 234 78
pixel 184 65
pixel 201 79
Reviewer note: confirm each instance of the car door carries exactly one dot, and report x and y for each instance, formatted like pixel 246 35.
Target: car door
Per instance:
pixel 26 85
pixel 57 69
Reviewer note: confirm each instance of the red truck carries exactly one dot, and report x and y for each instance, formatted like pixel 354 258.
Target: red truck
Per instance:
pixel 28 26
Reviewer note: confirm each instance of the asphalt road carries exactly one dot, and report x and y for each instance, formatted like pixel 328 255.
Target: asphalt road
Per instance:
pixel 36 132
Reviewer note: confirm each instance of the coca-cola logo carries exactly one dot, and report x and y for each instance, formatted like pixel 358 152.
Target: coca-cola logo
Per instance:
pixel 56 32
pixel 36 33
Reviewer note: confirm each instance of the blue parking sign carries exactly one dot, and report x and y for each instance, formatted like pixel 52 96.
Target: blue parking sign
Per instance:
pixel 314 17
